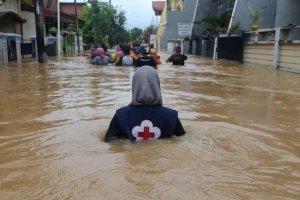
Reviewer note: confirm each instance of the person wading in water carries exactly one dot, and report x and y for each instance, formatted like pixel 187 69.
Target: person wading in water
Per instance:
pixel 145 117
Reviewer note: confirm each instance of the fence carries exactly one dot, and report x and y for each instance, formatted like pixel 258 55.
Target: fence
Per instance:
pixel 26 49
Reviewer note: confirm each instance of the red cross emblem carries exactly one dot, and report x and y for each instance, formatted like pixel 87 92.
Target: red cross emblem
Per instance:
pixel 146 131
pixel 146 134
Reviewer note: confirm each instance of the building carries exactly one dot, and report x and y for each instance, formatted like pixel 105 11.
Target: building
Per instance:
pixel 18 16
pixel 175 27
pixel 181 23
pixel 69 7
pixel 276 42
pixel 203 37
pixel 17 19
pixel 158 7
pixel 11 20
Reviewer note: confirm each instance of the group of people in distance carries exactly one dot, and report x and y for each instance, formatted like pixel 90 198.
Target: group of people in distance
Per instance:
pixel 145 117
pixel 133 55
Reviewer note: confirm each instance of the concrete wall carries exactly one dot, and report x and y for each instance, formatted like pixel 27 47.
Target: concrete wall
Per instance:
pixel 273 13
pixel 10 5
pixel 289 56
pixel 288 12
pixel 203 10
pixel 3 50
pixel 221 6
pixel 267 8
pixel 173 17
pixel 7 24
pixel 29 25
pixel 260 54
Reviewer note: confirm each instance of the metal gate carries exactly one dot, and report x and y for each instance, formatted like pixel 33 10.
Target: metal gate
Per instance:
pixel 12 50
pixel 231 48
pixel 51 49
pixel 26 49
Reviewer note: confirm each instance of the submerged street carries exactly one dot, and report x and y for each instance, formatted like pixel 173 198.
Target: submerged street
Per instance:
pixel 242 141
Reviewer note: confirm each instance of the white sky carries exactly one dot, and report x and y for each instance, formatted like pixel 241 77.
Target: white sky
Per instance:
pixel 139 13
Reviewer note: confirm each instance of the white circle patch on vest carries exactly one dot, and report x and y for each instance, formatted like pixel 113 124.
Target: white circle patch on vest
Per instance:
pixel 146 131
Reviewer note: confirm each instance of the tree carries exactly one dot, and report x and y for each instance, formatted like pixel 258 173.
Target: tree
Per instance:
pixel 103 24
pixel 218 22
pixel 147 32
pixel 136 34
pixel 255 15
pixel 119 33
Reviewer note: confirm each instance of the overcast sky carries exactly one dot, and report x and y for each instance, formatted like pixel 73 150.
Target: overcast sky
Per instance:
pixel 139 13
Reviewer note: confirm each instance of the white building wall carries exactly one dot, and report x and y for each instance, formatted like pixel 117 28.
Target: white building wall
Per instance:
pixel 29 25
pixel 10 5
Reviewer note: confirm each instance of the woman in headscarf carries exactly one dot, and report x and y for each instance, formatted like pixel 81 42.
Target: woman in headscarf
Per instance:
pixel 119 53
pixel 126 60
pixel 101 58
pixel 145 117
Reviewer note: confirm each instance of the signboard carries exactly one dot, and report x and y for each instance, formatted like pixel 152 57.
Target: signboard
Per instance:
pixel 185 28
pixel 152 39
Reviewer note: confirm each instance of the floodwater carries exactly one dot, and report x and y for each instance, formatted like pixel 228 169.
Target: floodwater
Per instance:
pixel 242 141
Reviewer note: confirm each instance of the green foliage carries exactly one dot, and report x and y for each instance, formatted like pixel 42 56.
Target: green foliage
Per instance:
pixel 118 32
pixel 103 24
pixel 72 28
pixel 255 15
pixel 136 34
pixel 148 31
pixel 217 21
pixel 52 30
pixel 235 27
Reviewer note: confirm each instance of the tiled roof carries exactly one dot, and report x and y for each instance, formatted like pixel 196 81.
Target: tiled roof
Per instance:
pixel 158 5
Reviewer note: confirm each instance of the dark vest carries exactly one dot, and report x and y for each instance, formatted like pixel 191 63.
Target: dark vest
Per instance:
pixel 147 122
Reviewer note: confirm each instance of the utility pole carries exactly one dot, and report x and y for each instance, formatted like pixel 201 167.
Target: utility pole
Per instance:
pixel 77 32
pixel 58 28
pixel 109 2
pixel 40 31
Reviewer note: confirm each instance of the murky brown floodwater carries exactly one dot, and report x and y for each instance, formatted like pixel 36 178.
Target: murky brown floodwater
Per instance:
pixel 242 141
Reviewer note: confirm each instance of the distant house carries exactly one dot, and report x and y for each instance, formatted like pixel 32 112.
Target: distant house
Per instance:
pixel 69 8
pixel 11 20
pixel 158 7
pixel 17 17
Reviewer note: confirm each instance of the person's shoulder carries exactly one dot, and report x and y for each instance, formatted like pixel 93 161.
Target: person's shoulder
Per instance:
pixel 125 108
pixel 170 110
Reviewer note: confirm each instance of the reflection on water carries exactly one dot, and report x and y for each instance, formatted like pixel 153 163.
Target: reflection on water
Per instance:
pixel 242 141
